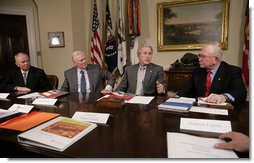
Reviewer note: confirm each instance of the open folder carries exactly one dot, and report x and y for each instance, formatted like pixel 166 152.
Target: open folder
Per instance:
pixel 27 121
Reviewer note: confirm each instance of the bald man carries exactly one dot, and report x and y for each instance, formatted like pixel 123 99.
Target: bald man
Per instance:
pixel 226 80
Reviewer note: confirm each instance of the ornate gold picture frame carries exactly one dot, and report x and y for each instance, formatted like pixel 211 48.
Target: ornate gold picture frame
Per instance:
pixel 190 24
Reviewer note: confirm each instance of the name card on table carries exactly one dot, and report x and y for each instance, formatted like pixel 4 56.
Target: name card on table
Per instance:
pixel 21 108
pixel 91 117
pixel 205 126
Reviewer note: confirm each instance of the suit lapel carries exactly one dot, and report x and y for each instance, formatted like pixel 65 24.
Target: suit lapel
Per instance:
pixel 148 75
pixel 134 79
pixel 74 77
pixel 90 77
pixel 217 79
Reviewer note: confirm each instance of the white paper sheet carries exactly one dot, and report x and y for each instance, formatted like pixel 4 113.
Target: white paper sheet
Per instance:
pixel 6 113
pixel 209 110
pixel 140 100
pixel 4 95
pixel 44 101
pixel 187 146
pixel 91 117
pixel 31 95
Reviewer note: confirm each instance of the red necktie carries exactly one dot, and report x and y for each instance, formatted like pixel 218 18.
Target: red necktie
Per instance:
pixel 208 83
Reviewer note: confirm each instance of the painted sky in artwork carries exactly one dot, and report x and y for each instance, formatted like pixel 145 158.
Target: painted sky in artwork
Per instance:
pixel 195 13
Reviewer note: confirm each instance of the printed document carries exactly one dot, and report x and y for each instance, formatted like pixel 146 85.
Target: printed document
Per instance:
pixel 188 146
pixel 140 100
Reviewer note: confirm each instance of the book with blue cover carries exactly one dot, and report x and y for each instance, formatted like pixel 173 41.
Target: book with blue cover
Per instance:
pixel 176 104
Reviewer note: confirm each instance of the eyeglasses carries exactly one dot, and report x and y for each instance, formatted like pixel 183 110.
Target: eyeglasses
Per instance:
pixel 204 56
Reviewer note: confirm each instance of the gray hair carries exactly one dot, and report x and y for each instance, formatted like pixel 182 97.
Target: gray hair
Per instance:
pixel 76 53
pixel 20 53
pixel 145 46
pixel 214 49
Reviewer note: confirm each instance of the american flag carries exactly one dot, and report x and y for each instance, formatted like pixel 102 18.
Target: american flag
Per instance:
pixel 96 52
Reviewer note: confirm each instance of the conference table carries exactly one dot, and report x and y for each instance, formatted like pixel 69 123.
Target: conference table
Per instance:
pixel 132 130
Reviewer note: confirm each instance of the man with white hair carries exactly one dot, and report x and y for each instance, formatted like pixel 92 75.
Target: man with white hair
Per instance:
pixel 94 76
pixel 215 79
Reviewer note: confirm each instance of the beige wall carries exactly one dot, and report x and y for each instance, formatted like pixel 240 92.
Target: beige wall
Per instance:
pixel 73 17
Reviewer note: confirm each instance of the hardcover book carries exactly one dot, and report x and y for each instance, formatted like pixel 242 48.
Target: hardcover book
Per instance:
pixel 57 134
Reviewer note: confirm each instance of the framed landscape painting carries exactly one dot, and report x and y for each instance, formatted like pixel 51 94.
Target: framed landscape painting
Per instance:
pixel 189 25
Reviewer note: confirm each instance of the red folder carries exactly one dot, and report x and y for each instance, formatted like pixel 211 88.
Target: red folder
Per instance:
pixel 27 121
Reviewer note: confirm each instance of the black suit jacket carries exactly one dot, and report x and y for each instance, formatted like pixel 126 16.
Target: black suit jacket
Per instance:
pixel 153 73
pixel 228 79
pixel 37 80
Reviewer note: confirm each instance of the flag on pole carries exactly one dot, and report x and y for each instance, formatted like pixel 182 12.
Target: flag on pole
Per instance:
pixel 96 50
pixel 134 50
pixel 110 48
pixel 134 28
pixel 246 62
pixel 122 56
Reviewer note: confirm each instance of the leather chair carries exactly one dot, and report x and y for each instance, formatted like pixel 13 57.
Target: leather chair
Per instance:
pixel 53 80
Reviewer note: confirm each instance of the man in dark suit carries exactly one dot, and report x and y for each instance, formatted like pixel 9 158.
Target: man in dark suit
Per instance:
pixel 25 78
pixel 226 80
pixel 94 76
pixel 144 78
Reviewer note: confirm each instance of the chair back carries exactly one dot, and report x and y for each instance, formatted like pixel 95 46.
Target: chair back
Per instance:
pixel 53 80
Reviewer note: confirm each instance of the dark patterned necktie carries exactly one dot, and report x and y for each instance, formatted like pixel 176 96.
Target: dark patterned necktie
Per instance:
pixel 82 83
pixel 24 77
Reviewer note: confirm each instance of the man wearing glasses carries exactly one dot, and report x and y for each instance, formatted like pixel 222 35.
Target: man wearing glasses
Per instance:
pixel 215 79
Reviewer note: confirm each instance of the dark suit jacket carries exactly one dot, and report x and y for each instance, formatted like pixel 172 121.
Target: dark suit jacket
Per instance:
pixel 228 79
pixel 37 80
pixel 97 77
pixel 153 73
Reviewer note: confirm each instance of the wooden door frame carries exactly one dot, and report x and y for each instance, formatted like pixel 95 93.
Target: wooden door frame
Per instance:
pixel 28 12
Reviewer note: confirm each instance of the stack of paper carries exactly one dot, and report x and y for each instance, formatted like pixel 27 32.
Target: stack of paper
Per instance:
pixel 175 104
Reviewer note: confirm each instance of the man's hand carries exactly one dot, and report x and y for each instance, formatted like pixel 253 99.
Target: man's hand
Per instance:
pixel 106 91
pixel 216 98
pixel 239 142
pixel 23 89
pixel 160 87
